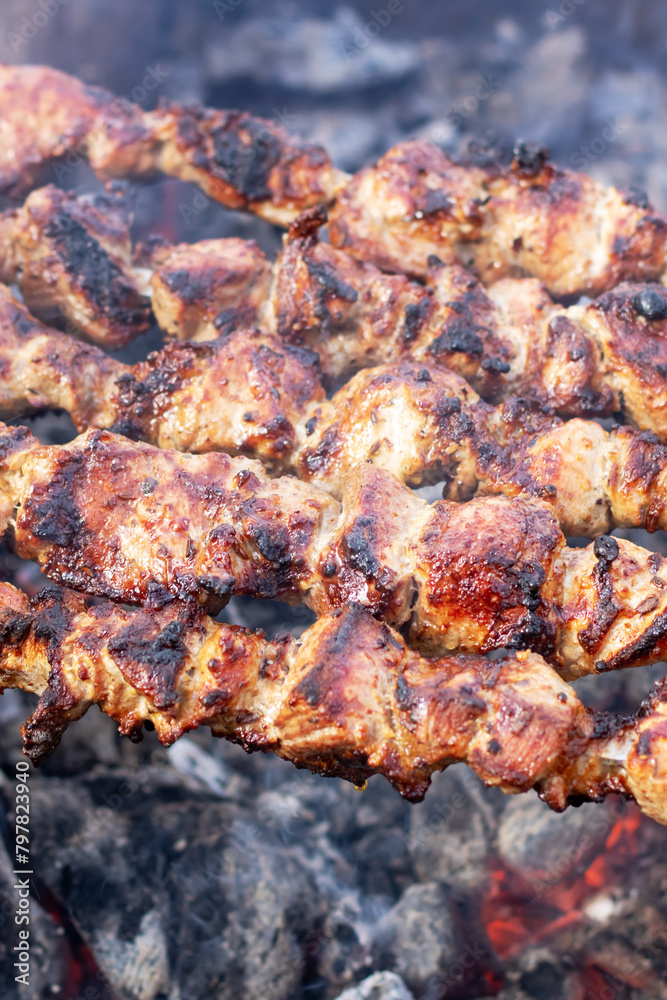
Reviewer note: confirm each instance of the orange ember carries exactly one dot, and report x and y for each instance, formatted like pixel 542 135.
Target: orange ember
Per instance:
pixel 524 907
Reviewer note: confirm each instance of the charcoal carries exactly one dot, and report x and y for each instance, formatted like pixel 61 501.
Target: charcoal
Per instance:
pixel 417 938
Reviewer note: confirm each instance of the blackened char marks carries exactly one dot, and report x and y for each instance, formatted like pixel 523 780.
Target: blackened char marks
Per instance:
pixel 96 272
pixel 318 687
pixel 51 621
pixel 151 663
pixel 492 578
pixel 218 586
pixel 316 460
pixel 185 284
pixel 458 336
pixel 606 610
pixel 650 303
pixel 15 439
pixel 416 315
pixel 529 158
pixel 246 152
pixel 14 628
pixel 636 651
pixel 326 277
pixel 281 546
pixel 358 544
pixel 51 512
pixel 272 541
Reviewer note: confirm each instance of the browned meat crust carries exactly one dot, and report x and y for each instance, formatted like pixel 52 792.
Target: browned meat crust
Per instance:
pixel 531 219
pixel 251 393
pixel 72 257
pixel 535 219
pixel 208 288
pixel 144 525
pixel 348 700
pixel 608 357
pixel 241 161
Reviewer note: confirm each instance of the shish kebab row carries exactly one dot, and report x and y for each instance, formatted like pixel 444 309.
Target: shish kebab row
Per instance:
pixel 144 525
pixel 348 699
pixel 252 393
pixel 531 218
pixel 73 256
pixel 258 393
pixel 61 515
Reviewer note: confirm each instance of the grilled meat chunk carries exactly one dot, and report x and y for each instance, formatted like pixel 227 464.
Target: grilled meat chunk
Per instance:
pixel 144 525
pixel 207 288
pixel 250 393
pixel 536 219
pixel 349 699
pixel 72 258
pixel 241 161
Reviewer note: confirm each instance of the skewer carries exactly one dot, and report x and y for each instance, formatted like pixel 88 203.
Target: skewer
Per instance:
pixel 349 699
pixel 251 393
pixel 140 524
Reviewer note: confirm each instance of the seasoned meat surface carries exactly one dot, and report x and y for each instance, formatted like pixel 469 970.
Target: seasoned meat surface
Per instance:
pixel 252 393
pixel 349 699
pixel 534 218
pixel 71 257
pixel 609 357
pixel 241 161
pixel 210 287
pixel 531 218
pixel 144 525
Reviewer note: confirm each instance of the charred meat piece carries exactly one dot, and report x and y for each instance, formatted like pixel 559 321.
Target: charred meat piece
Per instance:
pixel 241 161
pixel 144 525
pixel 72 259
pixel 349 699
pixel 208 288
pixel 251 393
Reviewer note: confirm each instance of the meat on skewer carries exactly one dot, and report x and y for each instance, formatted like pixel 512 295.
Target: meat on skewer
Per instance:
pixel 529 219
pixel 244 162
pixel 72 255
pixel 250 393
pixel 143 525
pixel 596 360
pixel 72 258
pixel 349 699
